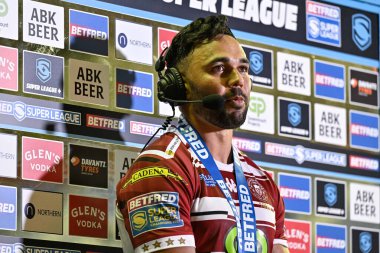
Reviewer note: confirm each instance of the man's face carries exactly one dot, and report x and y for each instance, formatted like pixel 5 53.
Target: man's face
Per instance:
pixel 219 67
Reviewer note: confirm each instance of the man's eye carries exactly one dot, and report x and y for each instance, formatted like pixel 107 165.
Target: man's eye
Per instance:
pixel 244 69
pixel 218 68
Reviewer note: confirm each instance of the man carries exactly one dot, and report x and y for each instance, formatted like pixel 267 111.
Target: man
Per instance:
pixel 184 193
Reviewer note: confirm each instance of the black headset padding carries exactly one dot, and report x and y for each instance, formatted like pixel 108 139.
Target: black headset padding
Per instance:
pixel 170 85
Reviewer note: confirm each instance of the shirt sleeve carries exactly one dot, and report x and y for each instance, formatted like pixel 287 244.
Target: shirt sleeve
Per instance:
pixel 155 198
pixel 280 237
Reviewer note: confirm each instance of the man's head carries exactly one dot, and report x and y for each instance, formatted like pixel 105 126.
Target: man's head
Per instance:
pixel 211 61
pixel 200 31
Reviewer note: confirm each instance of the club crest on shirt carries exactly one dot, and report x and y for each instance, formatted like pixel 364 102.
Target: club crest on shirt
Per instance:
pixel 257 190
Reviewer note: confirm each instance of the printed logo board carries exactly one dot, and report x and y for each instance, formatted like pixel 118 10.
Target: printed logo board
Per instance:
pixel 106 123
pixel 298 234
pixel 260 66
pixel 42 211
pixel 123 160
pixel 363 163
pixel 364 240
pixel 294 118
pixel 293 73
pixel 134 90
pixel 8 68
pixel 8 208
pixel 364 130
pixel 330 124
pixel 42 160
pixel 165 37
pixel 88 166
pixel 88 32
pixel 43 74
pixel 8 155
pixel 329 81
pixel 323 23
pixel 330 198
pixel 302 154
pixel 88 216
pixel 330 238
pixel 9 19
pixel 247 144
pixel 134 42
pixel 365 203
pixel 296 192
pixel 43 24
pixel 89 82
pixel 260 116
pixel 364 87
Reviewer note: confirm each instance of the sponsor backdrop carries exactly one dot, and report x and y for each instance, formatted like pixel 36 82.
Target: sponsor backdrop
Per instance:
pixel 78 102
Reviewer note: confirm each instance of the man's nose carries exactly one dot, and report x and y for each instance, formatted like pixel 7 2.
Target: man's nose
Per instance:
pixel 235 78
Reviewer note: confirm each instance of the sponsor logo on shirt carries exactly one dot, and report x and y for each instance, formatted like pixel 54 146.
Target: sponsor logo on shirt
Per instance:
pixel 150 172
pixel 153 211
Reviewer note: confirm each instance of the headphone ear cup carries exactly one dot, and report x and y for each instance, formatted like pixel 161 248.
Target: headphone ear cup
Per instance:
pixel 171 86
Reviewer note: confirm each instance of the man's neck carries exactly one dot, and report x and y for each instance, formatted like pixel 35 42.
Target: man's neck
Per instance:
pixel 218 140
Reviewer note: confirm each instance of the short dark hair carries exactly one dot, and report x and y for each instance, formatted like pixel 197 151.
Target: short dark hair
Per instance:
pixel 198 32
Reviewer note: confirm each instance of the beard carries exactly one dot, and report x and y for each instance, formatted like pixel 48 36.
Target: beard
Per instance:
pixel 221 118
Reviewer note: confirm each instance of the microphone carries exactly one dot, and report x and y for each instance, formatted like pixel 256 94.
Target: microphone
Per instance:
pixel 213 101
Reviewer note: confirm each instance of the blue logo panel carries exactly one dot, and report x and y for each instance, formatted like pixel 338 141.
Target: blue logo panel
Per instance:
pixel 89 32
pixel 296 192
pixel 43 74
pixel 8 208
pixel 364 130
pixel 330 239
pixel 134 90
pixel 329 81
pixel 323 23
pixel 260 66
pixel 361 31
